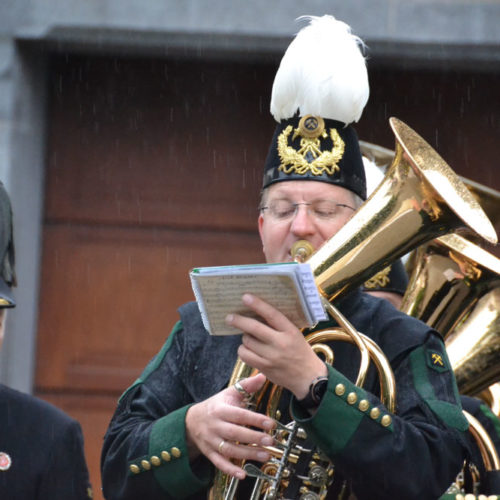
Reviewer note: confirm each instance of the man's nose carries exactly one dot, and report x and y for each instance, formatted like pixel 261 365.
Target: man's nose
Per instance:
pixel 302 222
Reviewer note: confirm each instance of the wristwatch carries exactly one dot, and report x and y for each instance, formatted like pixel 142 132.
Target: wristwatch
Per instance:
pixel 315 394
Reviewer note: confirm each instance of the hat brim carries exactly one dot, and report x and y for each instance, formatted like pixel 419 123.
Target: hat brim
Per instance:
pixel 6 297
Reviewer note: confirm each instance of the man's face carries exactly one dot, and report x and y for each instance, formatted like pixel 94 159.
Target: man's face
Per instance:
pixel 278 235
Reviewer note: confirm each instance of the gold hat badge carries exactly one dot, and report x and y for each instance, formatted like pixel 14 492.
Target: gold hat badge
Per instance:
pixel 380 280
pixel 310 157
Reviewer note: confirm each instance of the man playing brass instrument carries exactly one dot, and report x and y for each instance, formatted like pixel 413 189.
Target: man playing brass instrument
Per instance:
pixel 178 421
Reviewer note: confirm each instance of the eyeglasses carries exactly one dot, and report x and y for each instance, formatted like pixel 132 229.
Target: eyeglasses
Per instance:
pixel 285 210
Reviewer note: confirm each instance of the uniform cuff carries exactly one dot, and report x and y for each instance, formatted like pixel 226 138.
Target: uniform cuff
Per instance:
pixel 168 457
pixel 345 404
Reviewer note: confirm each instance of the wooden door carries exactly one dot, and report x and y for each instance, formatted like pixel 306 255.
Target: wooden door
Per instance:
pixel 153 167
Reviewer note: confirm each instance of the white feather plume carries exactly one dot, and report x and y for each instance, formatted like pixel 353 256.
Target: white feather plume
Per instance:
pixel 322 73
pixel 373 174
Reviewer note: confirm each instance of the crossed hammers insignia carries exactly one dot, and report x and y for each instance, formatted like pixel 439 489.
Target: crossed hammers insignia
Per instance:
pixel 437 359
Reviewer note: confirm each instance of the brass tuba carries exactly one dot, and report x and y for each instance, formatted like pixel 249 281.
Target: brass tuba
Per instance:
pixel 449 275
pixel 491 396
pixel 419 199
pixel 474 347
pixel 488 198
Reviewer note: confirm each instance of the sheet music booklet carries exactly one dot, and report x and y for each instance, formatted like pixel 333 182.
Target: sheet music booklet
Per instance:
pixel 289 287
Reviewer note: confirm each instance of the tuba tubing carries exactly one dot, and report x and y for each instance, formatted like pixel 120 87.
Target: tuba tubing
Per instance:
pixel 474 347
pixel 384 369
pixel 485 444
pixel 301 250
pixel 450 274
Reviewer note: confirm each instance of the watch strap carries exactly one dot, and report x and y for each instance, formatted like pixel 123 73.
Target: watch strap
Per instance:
pixel 315 394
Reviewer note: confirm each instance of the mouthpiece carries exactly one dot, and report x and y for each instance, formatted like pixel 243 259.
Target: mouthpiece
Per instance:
pixel 301 250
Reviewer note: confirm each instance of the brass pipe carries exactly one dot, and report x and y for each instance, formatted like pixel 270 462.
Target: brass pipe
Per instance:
pixel 386 375
pixel 474 347
pixel 301 252
pixel 450 274
pixel 485 444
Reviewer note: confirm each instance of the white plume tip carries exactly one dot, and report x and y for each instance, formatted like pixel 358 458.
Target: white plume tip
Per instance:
pixel 322 73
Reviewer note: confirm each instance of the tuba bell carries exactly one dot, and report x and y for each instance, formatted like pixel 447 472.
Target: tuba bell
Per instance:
pixel 474 347
pixel 449 275
pixel 488 198
pixel 419 199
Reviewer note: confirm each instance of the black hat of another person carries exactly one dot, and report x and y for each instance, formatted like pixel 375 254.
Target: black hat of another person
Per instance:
pixel 7 259
pixel 320 88
pixel 393 279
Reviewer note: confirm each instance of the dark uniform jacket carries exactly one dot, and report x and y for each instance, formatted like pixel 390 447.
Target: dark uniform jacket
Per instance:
pixel 416 453
pixel 41 451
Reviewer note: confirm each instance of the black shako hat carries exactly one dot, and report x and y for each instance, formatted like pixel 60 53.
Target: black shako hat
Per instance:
pixel 7 259
pixel 316 149
pixel 393 278
pixel 320 88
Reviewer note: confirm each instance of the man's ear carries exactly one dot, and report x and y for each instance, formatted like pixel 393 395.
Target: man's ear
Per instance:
pixel 260 224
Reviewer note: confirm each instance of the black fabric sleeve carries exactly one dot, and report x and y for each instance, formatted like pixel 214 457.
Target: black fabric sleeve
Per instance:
pixel 145 453
pixel 66 475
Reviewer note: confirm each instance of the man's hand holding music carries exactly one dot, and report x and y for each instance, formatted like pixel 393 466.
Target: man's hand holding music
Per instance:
pixel 276 347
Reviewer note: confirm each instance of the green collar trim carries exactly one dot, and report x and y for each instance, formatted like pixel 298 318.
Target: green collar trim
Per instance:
pixel 449 413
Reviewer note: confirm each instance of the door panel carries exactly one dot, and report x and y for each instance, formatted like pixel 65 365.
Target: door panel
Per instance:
pixel 153 167
pixel 113 298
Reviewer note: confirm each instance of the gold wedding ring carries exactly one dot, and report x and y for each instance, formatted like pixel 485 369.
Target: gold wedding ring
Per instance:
pixel 242 391
pixel 221 445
